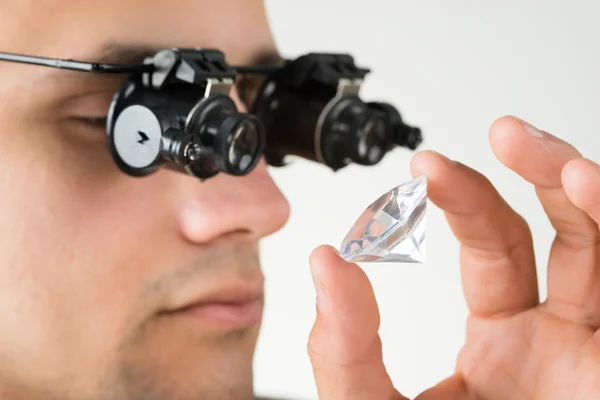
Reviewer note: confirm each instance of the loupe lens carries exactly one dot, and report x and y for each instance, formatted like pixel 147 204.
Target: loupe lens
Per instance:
pixel 317 126
pixel 238 143
pixel 354 133
pixel 244 147
pixel 371 142
pixel 235 140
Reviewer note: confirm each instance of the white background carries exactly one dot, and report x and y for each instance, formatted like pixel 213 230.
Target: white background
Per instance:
pixel 451 67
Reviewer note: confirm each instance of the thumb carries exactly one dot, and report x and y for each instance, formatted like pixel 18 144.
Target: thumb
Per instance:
pixel 344 346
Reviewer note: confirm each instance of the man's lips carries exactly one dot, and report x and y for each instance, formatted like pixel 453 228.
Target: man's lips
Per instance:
pixel 236 315
pixel 234 307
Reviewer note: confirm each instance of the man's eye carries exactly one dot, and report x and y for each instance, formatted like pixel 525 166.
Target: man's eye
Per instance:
pixel 92 122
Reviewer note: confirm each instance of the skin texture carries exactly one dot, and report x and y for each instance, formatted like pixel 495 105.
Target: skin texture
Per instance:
pixel 90 256
pixel 518 346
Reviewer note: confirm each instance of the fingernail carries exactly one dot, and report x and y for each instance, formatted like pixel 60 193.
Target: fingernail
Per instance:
pixel 444 158
pixel 532 130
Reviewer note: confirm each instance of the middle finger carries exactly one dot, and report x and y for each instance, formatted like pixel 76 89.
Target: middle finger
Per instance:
pixel 539 158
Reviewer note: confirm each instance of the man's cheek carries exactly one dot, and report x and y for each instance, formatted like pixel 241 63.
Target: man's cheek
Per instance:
pixel 69 276
pixel 36 331
pixel 64 318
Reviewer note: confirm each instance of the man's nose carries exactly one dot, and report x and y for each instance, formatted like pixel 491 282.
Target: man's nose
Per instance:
pixel 220 207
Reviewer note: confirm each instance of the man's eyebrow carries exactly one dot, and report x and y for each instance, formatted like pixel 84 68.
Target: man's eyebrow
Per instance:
pixel 124 53
pixel 109 53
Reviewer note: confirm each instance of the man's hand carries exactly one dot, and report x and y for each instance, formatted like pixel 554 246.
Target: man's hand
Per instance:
pixel 516 348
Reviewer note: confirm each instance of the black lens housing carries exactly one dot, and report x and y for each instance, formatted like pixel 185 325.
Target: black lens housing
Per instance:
pixel 212 123
pixel 402 134
pixel 311 108
pixel 315 125
pixel 169 106
pixel 218 123
pixel 352 132
pixel 290 119
pixel 184 117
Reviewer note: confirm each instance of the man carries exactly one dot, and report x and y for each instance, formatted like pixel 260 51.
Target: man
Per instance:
pixel 121 288
pixel 97 268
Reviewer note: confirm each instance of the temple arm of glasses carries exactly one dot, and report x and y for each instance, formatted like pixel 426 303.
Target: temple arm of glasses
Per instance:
pixel 76 65
pixel 112 68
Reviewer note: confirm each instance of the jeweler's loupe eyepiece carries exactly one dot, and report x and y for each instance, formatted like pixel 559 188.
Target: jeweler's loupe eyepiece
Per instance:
pixel 181 116
pixel 352 132
pixel 236 140
pixel 245 146
pixel 311 108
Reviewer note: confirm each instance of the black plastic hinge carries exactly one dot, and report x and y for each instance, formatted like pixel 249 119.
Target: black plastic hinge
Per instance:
pixel 320 68
pixel 191 66
pixel 207 64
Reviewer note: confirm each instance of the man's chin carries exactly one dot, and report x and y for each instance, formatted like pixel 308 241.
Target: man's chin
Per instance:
pixel 175 362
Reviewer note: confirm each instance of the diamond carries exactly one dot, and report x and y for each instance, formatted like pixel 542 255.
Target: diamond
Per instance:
pixel 392 229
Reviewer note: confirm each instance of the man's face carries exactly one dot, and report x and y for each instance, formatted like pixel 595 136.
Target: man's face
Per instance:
pixel 94 264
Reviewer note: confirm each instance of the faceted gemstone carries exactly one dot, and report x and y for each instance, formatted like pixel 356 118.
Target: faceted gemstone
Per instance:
pixel 392 229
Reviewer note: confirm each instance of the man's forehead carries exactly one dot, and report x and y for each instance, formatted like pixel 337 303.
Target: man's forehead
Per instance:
pixel 127 32
pixel 71 28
